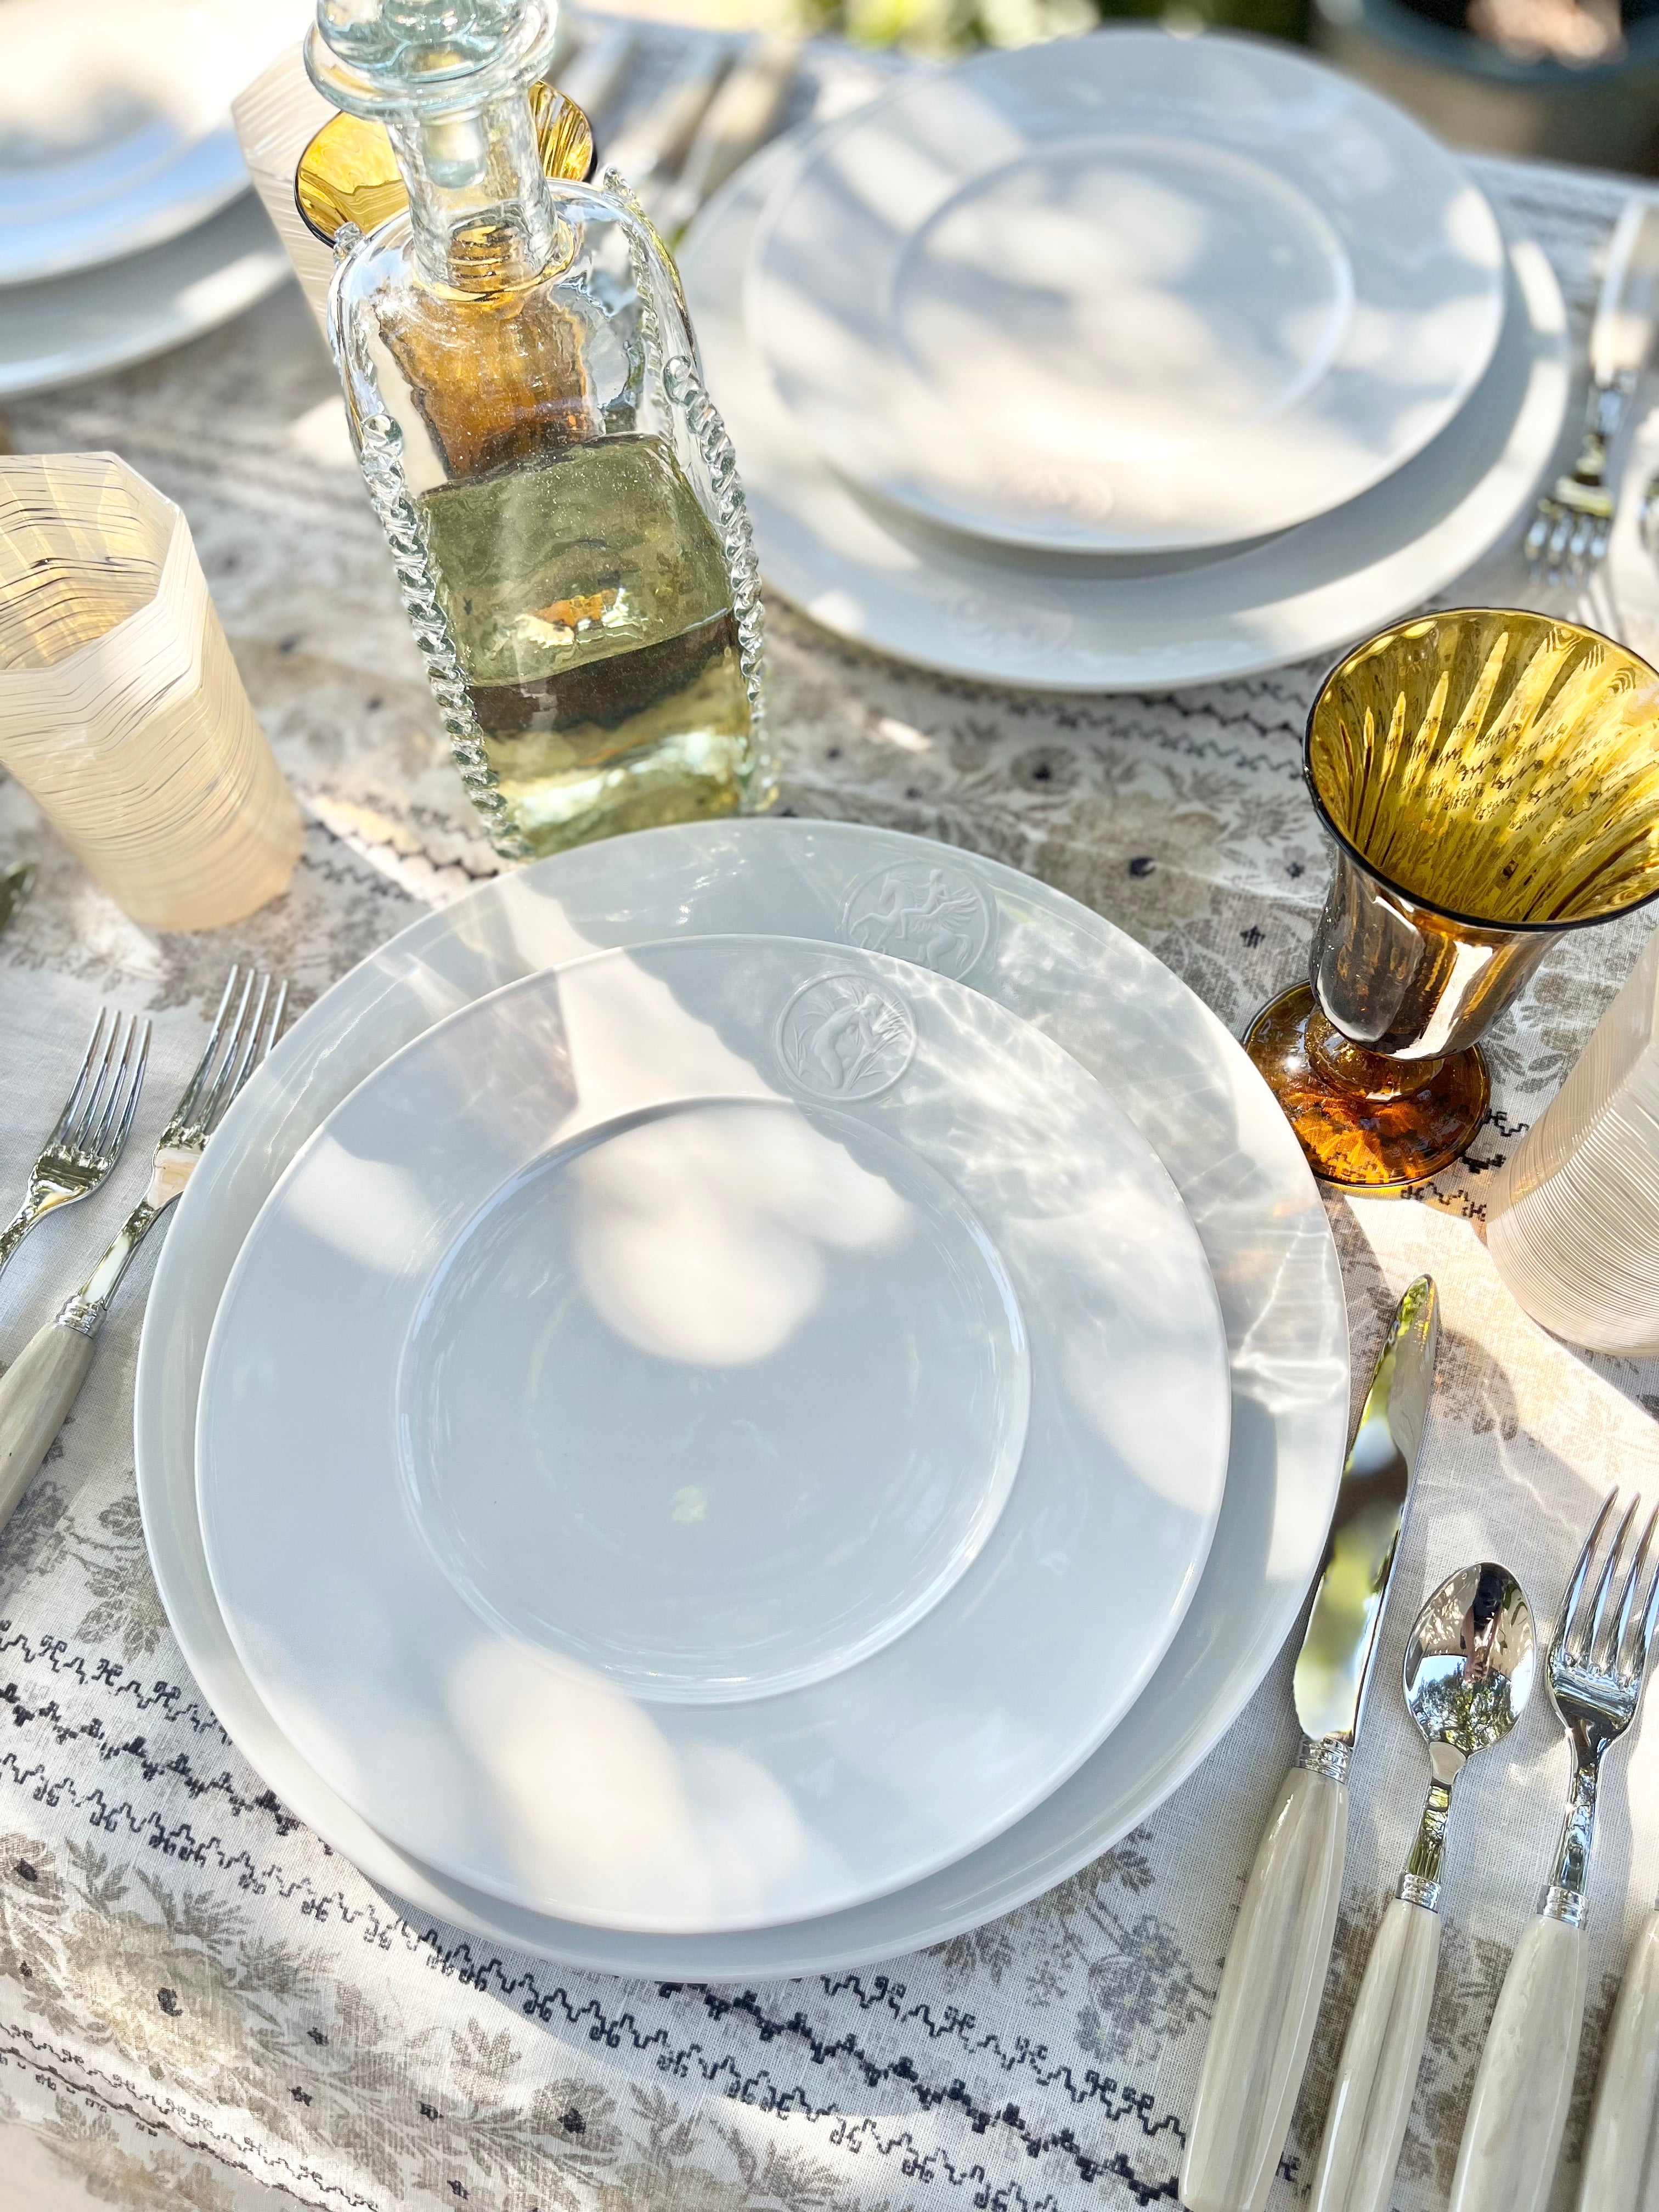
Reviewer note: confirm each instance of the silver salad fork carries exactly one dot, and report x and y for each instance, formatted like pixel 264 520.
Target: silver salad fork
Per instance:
pixel 92 1129
pixel 42 1383
pixel 1594 1671
pixel 1573 521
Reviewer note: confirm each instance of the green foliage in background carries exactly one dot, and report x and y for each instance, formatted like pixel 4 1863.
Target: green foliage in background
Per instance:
pixel 950 26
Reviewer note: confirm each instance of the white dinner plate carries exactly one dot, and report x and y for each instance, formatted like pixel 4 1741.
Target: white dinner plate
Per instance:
pixel 1170 1064
pixel 1130 293
pixel 768 1407
pixel 1070 623
pixel 115 131
pixel 105 318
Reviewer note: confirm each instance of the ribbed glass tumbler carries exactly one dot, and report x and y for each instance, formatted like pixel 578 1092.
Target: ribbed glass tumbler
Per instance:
pixel 1573 1217
pixel 121 710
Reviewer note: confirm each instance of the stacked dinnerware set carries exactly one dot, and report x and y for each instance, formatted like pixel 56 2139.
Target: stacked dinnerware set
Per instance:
pixel 1124 362
pixel 745 1398
pixel 126 223
pixel 750 1398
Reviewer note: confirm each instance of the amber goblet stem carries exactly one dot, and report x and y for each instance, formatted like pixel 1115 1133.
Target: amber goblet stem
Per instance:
pixel 1367 1120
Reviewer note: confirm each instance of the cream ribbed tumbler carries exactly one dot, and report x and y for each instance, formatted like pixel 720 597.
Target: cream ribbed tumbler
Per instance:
pixel 121 711
pixel 1573 1217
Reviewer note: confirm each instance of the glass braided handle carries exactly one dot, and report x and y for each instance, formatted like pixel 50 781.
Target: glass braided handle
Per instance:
pixel 686 389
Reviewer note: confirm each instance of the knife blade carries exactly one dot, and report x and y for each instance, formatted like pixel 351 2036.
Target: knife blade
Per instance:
pixel 1627 310
pixel 1267 2004
pixel 14 884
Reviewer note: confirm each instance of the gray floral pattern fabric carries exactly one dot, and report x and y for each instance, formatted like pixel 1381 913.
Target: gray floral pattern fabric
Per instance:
pixel 201 2004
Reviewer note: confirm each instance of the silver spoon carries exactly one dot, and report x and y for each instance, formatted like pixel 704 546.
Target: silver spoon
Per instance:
pixel 1470 1663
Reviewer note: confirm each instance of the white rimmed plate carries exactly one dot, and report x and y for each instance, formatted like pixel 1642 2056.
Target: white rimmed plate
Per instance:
pixel 105 318
pixel 1168 1062
pixel 1131 292
pixel 769 1410
pixel 1066 622
pixel 115 131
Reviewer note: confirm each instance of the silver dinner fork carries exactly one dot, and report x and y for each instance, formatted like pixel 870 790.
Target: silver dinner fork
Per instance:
pixel 38 1389
pixel 91 1130
pixel 1572 524
pixel 1596 1670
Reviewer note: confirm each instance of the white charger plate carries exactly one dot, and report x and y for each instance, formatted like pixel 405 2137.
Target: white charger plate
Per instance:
pixel 768 1408
pixel 115 131
pixel 1066 622
pixel 1130 293
pixel 1171 1066
pixel 104 319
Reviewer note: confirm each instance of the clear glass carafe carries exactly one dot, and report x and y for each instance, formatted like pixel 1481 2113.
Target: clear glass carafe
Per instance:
pixel 559 494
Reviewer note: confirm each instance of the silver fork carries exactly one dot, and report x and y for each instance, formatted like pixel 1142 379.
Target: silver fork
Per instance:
pixel 1570 531
pixel 38 1389
pixel 92 1129
pixel 1596 1671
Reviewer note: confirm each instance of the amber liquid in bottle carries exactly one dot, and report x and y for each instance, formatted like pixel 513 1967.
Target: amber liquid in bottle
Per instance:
pixel 591 608
pixel 585 586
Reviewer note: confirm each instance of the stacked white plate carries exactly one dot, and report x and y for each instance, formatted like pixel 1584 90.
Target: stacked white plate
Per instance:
pixel 126 225
pixel 744 1399
pixel 1121 362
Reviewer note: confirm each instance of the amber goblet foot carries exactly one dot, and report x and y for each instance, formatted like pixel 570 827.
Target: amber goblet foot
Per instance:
pixel 1365 1121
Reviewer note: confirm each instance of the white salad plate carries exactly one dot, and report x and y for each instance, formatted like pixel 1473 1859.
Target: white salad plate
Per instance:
pixel 115 130
pixel 1152 1044
pixel 869 571
pixel 1126 293
pixel 142 305
pixel 768 1407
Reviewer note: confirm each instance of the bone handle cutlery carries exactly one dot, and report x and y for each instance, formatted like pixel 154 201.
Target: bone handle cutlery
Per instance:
pixel 1268 2001
pixel 43 1383
pixel 1615 2175
pixel 1506 2162
pixel 1470 1661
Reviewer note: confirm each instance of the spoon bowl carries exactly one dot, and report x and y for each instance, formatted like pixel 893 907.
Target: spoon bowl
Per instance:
pixel 1471 1661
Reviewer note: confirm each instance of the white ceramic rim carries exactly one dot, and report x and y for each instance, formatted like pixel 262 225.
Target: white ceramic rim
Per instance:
pixel 1067 623
pixel 1103 1624
pixel 201 178
pixel 1361 230
pixel 1286 1326
pixel 144 303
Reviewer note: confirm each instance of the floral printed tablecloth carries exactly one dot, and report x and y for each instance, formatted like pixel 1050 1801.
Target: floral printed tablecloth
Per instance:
pixel 200 2004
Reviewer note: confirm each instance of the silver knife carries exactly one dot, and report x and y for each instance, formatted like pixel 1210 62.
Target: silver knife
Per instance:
pixel 653 142
pixel 14 889
pixel 1268 2001
pixel 739 119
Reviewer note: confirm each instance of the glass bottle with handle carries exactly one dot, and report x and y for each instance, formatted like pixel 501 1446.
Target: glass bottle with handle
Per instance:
pixel 558 492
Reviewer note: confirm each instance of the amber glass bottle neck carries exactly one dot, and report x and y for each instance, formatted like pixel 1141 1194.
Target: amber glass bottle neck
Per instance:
pixel 483 215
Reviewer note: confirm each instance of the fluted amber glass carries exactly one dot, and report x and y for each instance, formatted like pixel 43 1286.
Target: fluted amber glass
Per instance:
pixel 1490 778
pixel 349 173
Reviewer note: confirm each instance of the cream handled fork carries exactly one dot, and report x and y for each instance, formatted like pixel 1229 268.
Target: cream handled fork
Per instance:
pixel 43 1383
pixel 1506 2162
pixel 90 1131
pixel 1616 2159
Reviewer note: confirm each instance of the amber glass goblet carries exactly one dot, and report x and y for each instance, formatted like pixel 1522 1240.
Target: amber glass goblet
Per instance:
pixel 1490 779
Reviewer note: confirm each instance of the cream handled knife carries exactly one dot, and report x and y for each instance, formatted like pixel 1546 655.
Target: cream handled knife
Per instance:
pixel 1268 2001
